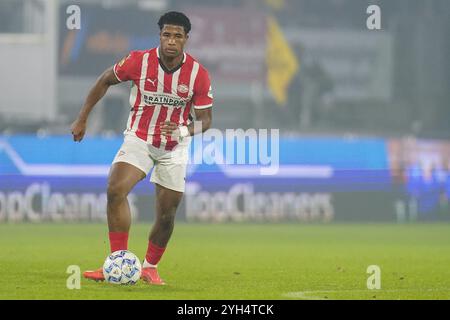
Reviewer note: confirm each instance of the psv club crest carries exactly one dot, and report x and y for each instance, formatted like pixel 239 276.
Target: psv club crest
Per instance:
pixel 183 88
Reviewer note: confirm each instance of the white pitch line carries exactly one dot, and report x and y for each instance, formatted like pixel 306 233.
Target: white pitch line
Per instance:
pixel 313 294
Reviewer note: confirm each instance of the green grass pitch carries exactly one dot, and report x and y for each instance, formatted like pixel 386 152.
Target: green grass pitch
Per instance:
pixel 236 261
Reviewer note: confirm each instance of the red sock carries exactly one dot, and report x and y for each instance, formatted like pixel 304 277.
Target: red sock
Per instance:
pixel 118 241
pixel 154 253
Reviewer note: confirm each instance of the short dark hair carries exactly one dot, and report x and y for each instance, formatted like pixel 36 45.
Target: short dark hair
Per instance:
pixel 175 18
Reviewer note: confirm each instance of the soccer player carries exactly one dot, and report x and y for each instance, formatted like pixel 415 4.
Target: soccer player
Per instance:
pixel 167 84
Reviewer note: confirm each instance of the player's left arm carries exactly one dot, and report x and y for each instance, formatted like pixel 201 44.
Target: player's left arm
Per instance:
pixel 202 104
pixel 203 120
pixel 203 117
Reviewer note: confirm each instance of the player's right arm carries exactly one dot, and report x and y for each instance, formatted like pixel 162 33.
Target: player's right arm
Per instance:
pixel 107 79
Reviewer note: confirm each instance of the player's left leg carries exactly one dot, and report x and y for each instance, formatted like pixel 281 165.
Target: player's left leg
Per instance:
pixel 167 202
pixel 169 178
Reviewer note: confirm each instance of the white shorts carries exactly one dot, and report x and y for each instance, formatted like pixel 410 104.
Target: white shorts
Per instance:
pixel 170 166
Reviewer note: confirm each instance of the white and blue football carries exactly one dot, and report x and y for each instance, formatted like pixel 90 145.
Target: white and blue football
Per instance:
pixel 122 267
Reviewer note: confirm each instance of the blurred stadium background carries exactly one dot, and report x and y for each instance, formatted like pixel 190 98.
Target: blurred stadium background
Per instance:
pixel 363 115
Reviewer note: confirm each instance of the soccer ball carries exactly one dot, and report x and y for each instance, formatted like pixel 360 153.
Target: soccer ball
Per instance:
pixel 122 267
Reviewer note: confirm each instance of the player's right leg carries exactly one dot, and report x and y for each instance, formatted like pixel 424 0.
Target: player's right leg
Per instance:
pixel 129 167
pixel 122 179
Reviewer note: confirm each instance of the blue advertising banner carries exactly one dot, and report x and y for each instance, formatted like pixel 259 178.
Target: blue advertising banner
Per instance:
pixel 310 179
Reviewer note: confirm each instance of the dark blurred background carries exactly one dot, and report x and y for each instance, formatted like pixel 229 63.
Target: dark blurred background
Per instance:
pixel 345 78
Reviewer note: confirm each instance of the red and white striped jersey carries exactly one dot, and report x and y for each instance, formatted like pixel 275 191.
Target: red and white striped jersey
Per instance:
pixel 157 96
